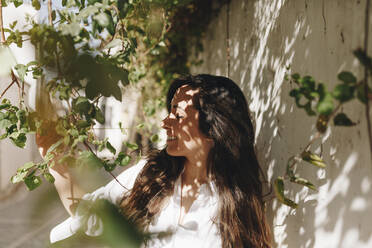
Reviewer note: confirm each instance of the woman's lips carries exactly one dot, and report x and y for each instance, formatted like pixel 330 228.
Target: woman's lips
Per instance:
pixel 171 138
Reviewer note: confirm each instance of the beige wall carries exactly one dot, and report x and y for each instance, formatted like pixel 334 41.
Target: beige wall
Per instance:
pixel 317 38
pixel 12 157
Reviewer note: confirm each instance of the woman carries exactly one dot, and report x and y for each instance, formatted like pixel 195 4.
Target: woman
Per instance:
pixel 204 187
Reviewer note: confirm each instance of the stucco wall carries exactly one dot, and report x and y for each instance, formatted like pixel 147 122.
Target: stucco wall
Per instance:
pixel 311 37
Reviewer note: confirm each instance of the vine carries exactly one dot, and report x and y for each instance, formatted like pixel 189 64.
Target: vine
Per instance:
pixel 326 105
pixel 90 50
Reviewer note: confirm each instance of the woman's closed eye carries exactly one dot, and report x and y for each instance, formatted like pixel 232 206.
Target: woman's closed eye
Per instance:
pixel 178 116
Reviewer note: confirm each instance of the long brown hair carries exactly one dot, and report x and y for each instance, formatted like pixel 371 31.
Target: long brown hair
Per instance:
pixel 232 165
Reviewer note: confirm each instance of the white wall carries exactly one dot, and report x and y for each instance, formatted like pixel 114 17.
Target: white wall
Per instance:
pixel 10 159
pixel 315 38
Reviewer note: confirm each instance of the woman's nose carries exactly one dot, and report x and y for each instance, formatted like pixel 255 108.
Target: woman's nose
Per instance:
pixel 167 121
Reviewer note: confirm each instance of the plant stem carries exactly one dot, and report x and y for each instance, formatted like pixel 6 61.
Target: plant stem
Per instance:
pixel 2 24
pixel 50 18
pixel 90 149
pixel 366 28
pixel 2 94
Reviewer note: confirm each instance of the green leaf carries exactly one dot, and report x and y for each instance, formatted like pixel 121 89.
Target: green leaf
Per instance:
pixel 313 159
pixel 99 116
pixel 82 105
pixel 125 160
pixel 343 92
pixel 13 24
pixel 7 60
pixel 26 166
pixel 21 115
pixel 17 3
pixel 32 182
pixel 154 138
pixel 5 106
pixel 36 4
pixel 87 158
pixel 347 77
pixel 103 19
pixel 295 77
pixel 109 166
pixel 325 105
pixel 72 29
pixel 110 148
pixel 363 58
pixel 49 177
pixel 21 71
pixel 341 119
pixel 88 11
pixel 5 123
pixel 361 94
pixel 54 15
pixel 114 43
pixel 54 146
pixel 19 139
pixel 19 177
pixel 279 192
pixel 304 182
pixel 132 146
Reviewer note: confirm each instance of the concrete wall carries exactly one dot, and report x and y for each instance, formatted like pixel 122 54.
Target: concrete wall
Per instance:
pixel 311 37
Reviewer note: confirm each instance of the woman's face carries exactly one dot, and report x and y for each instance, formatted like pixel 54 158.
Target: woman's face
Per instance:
pixel 182 126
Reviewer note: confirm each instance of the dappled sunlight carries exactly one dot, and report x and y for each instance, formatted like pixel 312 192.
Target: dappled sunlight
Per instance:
pixel 310 38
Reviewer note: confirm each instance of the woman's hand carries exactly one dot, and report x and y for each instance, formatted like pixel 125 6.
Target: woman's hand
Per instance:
pixel 66 186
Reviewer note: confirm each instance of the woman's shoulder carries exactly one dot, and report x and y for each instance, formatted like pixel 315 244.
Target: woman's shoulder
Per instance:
pixel 128 176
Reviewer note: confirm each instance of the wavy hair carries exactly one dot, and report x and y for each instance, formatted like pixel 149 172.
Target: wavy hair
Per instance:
pixel 232 165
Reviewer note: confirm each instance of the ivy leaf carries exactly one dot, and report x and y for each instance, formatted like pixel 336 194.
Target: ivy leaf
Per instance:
pixel 49 177
pixel 347 77
pixel 325 105
pixel 343 92
pixel 5 123
pixel 19 177
pixel 32 182
pixel 54 146
pixel 17 3
pixel 313 159
pixel 19 139
pixel 361 94
pixel 89 159
pixel 82 105
pixel 13 24
pixel 99 116
pixel 26 166
pixel 132 146
pixel 103 19
pixel 279 192
pixel 36 4
pixel 123 159
pixel 72 29
pixel 109 166
pixel 363 58
pixel 110 148
pixel 341 119
pixel 304 182
pixel 21 71
pixel 113 43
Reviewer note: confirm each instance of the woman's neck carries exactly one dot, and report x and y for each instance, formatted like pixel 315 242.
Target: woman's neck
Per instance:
pixel 195 172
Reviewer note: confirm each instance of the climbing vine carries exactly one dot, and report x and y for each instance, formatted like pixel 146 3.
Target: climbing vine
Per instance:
pixel 88 51
pixel 316 100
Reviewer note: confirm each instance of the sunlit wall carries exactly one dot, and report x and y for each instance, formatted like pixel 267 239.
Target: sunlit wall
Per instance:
pixel 267 39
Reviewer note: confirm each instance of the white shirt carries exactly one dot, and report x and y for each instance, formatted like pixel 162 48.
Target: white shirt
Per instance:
pixel 197 228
